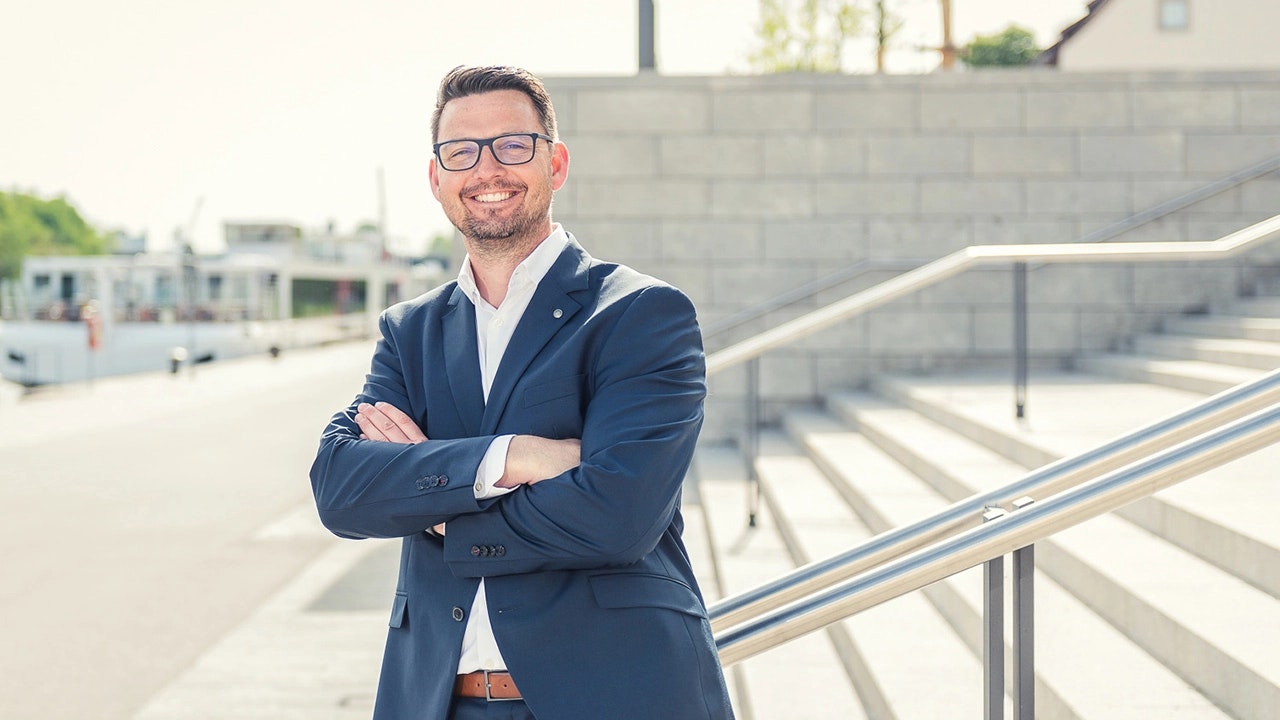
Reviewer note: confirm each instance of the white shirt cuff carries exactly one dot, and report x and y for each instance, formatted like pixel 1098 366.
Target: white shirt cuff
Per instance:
pixel 492 468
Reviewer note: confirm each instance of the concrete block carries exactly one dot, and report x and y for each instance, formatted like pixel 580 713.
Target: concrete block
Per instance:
pixel 866 109
pixel 971 197
pixel 847 337
pixel 1078 196
pixel 710 156
pixel 632 242
pixel 993 330
pixel 1024 155
pixel 844 242
pixel 1070 285
pixel 564 203
pixel 971 109
pixel 1261 195
pixel 917 155
pixel 565 101
pixel 917 238
pixel 1155 152
pixel 761 199
pixel 919 332
pixel 742 286
pixel 1177 107
pixel 1213 227
pixel 807 156
pixel 643 199
pixel 1048 107
pixel 1260 108
pixel 987 287
pixel 1226 154
pixel 1181 287
pixel 857 197
pixel 762 110
pixel 841 372
pixel 1171 228
pixel 592 156
pixel 710 241
pixel 1053 332
pixel 621 111
pixel 692 278
pixel 1152 192
pixel 787 375
pixel 1005 230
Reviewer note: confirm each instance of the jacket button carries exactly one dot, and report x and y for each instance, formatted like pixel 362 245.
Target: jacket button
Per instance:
pixel 458 614
pixel 500 550
pixel 444 480
pixel 475 551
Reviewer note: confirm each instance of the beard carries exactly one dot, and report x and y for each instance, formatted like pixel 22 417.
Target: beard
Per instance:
pixel 503 232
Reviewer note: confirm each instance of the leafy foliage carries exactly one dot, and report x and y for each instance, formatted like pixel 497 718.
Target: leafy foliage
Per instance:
pixel 32 226
pixel 1013 46
pixel 809 38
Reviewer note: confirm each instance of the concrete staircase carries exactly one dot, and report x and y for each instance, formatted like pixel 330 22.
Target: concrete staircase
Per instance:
pixel 1169 608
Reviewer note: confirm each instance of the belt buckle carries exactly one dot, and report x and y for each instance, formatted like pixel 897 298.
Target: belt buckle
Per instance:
pixel 488 689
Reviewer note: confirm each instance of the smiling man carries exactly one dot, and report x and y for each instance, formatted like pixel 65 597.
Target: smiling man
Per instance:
pixel 526 429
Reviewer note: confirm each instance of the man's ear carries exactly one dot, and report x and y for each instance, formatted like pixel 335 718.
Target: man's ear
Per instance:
pixel 433 173
pixel 559 165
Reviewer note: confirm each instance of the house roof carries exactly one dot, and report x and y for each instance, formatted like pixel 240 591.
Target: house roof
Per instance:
pixel 1050 54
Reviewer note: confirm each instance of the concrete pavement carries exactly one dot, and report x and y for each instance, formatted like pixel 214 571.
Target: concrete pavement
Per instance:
pixel 146 518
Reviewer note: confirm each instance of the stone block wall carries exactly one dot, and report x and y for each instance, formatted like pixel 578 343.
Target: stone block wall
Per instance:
pixel 737 189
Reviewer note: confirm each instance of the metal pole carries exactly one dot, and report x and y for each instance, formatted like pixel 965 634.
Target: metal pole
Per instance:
pixel 1024 663
pixel 647 61
pixel 993 631
pixel 1020 338
pixel 753 439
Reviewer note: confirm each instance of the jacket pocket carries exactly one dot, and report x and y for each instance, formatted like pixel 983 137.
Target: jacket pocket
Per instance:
pixel 553 390
pixel 629 590
pixel 399 610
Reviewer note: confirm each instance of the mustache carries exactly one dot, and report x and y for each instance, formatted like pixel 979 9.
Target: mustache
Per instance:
pixel 482 188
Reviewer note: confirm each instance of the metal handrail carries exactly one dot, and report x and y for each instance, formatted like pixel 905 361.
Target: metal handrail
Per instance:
pixel 1056 477
pixel 957 262
pixel 993 539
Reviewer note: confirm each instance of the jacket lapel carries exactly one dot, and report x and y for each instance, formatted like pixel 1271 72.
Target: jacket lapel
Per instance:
pixel 549 310
pixel 461 361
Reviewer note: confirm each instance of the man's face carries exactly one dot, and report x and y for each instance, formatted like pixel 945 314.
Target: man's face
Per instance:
pixel 495 205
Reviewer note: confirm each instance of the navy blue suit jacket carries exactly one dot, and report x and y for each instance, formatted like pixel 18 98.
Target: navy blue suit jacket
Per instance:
pixel 591 594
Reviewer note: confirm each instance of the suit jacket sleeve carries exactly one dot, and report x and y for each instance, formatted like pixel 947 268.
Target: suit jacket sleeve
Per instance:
pixel 366 489
pixel 639 431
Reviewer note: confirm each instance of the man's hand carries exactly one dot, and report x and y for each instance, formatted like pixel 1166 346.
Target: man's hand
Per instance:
pixel 384 422
pixel 531 459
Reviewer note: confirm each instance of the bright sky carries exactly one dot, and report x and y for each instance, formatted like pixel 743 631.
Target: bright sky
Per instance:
pixel 138 111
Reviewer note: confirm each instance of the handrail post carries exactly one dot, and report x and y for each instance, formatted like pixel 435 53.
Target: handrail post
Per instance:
pixel 1020 338
pixel 993 630
pixel 753 439
pixel 1024 664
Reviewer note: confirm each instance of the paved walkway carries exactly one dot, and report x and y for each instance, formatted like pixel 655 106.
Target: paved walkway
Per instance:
pixel 158 538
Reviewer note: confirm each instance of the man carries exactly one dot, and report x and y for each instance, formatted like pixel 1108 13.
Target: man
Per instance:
pixel 526 430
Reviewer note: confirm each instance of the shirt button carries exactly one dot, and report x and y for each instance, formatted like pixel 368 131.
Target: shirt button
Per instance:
pixel 458 614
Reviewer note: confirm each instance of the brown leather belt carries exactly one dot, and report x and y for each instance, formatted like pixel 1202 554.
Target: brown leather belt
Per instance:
pixel 486 684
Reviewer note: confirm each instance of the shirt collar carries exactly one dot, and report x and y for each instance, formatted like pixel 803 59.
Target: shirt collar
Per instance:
pixel 529 272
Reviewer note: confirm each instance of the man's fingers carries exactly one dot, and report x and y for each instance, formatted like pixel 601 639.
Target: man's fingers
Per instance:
pixel 403 422
pixel 384 422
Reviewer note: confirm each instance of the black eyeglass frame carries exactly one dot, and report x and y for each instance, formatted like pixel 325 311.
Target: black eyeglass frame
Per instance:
pixel 488 143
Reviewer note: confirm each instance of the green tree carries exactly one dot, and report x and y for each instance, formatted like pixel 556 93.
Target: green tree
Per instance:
pixel 1011 47
pixel 32 226
pixel 810 38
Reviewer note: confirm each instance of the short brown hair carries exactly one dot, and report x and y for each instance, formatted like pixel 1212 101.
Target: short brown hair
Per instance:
pixel 463 81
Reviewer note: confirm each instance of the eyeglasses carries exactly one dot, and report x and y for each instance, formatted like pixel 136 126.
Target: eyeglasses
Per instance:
pixel 511 149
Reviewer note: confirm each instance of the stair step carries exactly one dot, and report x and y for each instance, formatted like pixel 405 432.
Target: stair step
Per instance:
pixel 1222 516
pixel 799 679
pixel 1066 631
pixel 1241 353
pixel 896 643
pixel 1262 307
pixel 1265 329
pixel 1190 375
pixel 1104 562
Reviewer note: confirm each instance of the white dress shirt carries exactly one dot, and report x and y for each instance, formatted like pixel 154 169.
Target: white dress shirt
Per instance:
pixel 494 327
